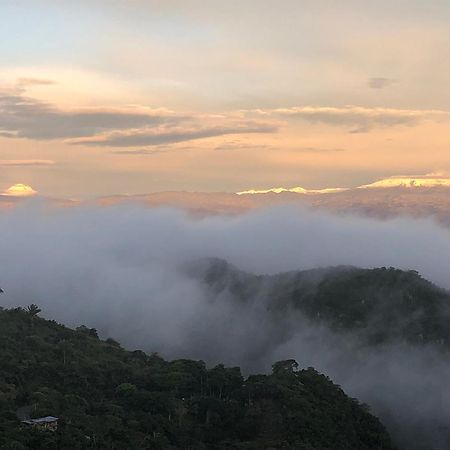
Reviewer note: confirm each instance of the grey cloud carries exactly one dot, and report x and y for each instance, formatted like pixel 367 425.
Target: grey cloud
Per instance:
pixel 143 138
pixel 362 118
pixel 7 134
pixel 25 117
pixel 380 82
pixel 358 119
pixel 360 130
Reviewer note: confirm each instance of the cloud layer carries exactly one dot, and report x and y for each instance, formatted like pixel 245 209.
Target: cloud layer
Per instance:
pixel 357 118
pixel 174 135
pixel 25 117
pixel 22 116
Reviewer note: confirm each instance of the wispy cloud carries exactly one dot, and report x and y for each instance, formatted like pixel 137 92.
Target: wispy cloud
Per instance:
pixel 319 150
pixel 357 118
pixel 26 162
pixel 173 135
pixel 29 81
pixel 156 150
pixel 238 145
pixel 131 126
pixel 380 82
pixel 25 117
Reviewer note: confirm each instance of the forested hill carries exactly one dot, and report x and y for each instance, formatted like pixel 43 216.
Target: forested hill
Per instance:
pixel 381 305
pixel 109 398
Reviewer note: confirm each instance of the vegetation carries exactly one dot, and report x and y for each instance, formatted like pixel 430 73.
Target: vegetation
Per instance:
pixel 109 398
pixel 380 305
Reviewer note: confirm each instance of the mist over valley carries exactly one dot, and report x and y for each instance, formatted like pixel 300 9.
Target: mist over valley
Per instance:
pixel 251 289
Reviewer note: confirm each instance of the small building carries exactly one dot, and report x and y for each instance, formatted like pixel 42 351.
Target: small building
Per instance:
pixel 48 423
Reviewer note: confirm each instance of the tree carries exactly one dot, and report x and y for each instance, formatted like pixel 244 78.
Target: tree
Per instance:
pixel 33 310
pixel 285 366
pixel 92 332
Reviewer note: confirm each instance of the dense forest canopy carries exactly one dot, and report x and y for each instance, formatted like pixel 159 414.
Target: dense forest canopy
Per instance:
pixel 108 398
pixel 381 305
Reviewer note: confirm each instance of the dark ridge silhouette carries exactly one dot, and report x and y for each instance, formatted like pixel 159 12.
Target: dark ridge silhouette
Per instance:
pixel 382 305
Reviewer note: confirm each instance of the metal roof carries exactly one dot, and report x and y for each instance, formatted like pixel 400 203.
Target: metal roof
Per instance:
pixel 47 419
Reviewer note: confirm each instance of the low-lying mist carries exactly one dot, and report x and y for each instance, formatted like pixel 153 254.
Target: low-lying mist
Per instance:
pixel 120 270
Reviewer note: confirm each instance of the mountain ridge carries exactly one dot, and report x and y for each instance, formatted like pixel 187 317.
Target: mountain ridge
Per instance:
pixel 383 305
pixel 391 182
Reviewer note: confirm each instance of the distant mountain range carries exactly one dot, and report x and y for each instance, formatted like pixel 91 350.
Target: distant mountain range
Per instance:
pixel 393 182
pixel 397 196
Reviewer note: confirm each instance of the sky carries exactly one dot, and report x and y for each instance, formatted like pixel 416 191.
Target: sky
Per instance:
pixel 105 97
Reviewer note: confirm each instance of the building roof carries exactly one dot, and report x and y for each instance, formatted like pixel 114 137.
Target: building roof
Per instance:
pixel 47 419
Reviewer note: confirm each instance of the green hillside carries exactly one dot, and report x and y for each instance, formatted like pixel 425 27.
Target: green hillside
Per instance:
pixel 109 398
pixel 380 305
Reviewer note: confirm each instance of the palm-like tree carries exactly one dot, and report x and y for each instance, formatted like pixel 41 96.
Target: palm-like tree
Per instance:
pixel 33 310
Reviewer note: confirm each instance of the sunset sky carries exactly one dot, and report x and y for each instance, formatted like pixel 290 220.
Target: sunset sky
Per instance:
pixel 105 97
